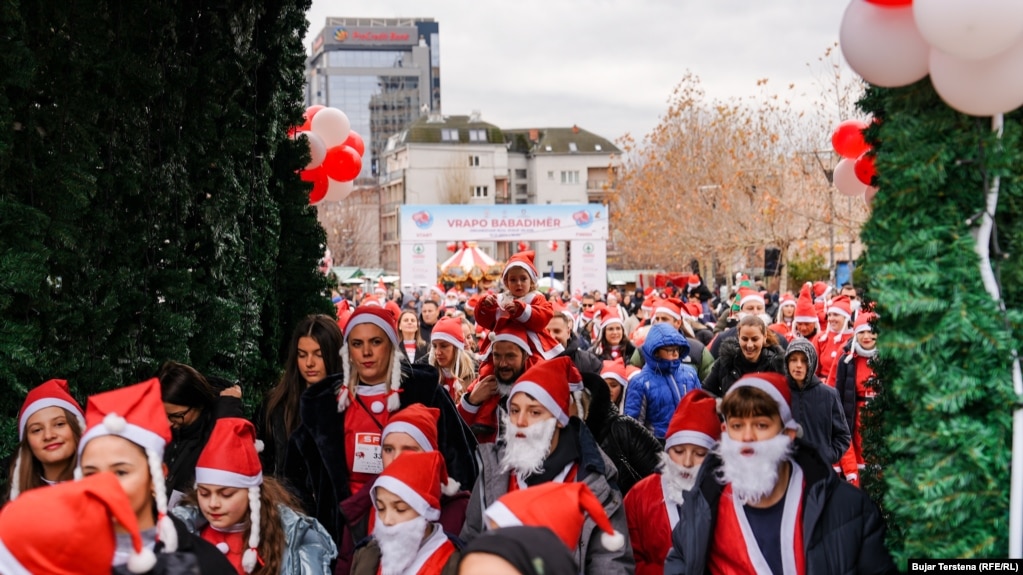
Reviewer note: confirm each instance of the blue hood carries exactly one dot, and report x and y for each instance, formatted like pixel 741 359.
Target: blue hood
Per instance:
pixel 661 335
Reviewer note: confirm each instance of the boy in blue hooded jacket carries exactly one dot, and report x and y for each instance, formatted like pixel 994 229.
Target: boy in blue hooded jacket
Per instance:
pixel 656 391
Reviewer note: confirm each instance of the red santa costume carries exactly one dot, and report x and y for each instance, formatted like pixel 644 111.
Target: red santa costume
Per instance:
pixel 786 327
pixel 416 478
pixel 449 330
pixel 857 360
pixel 483 418
pixel 532 310
pixel 53 393
pixel 651 514
pixel 830 344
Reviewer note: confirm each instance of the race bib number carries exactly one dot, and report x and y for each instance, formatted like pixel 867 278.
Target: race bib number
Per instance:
pixel 368 454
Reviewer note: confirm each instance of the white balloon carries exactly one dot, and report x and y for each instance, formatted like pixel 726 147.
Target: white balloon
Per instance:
pixel 845 179
pixel 970 29
pixel 868 195
pixel 882 44
pixel 337 191
pixel 317 149
pixel 980 87
pixel 332 126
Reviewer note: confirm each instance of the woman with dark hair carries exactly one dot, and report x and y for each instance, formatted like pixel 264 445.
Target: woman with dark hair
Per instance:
pixel 193 406
pixel 416 348
pixel 312 356
pixel 754 349
pixel 612 343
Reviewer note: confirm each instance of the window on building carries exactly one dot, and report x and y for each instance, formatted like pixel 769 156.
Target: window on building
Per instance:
pixel 550 175
pixel 477 135
pixel 474 161
pixel 572 147
pixel 570 177
pixel 521 190
pixel 520 174
pixel 480 191
pixel 449 135
pixel 521 200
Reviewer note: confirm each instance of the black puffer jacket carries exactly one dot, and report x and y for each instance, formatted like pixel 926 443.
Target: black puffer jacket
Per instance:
pixel 195 556
pixel 843 532
pixel 732 365
pixel 633 449
pixel 585 361
pixel 817 409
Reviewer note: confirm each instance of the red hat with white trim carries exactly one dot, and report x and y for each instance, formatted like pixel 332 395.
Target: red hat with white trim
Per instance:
pixel 522 260
pixel 774 385
pixel 387 322
pixel 842 306
pixel 614 369
pixel 820 290
pixel 473 302
pixel 53 393
pixel 747 295
pixel 694 282
pixel 692 309
pixel 632 371
pixel 609 317
pixel 787 299
pixel 419 422
pixel 561 507
pixel 649 303
pixel 863 321
pixel 695 421
pixel 381 288
pixel 448 329
pixel 548 383
pixel 231 459
pixel 136 413
pixel 416 478
pixel 511 331
pixel 80 539
pixel 670 306
pixel 805 312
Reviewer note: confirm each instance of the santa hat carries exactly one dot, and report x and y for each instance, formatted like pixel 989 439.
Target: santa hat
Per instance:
pixel 370 301
pixel 692 309
pixel 558 506
pixel 522 260
pixel 231 459
pixel 439 290
pixel 416 478
pixel 821 291
pixel 787 299
pixel 649 303
pixel 695 421
pixel 610 317
pixel 747 295
pixel 473 302
pixel 393 307
pixel 670 306
pixel 136 413
pixel 774 385
pixel 863 321
pixel 842 306
pixel 387 322
pixel 79 539
pixel 420 423
pixel 632 371
pixel 53 393
pixel 547 382
pixel 805 312
pixel 381 288
pixel 614 369
pixel 448 329
pixel 511 331
pixel 694 282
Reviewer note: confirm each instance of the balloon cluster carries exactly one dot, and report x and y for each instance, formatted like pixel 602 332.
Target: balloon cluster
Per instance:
pixel 335 153
pixel 973 50
pixel 553 245
pixel 854 174
pixel 523 246
pixel 455 246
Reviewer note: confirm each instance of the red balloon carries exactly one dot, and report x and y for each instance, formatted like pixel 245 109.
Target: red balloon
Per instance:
pixel 308 115
pixel 311 175
pixel 523 246
pixel 355 142
pixel 342 163
pixel 452 247
pixel 848 141
pixel 865 169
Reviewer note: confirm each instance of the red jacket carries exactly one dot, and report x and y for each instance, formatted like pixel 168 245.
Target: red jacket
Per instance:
pixel 534 312
pixel 829 347
pixel 649 528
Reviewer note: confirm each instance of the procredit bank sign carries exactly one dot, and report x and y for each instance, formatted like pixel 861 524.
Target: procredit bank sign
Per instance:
pixel 370 36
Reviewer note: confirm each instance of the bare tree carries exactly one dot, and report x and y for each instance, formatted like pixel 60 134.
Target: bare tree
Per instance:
pixel 353 228
pixel 454 181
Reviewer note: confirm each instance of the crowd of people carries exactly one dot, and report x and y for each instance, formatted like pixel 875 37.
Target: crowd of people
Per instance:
pixel 503 431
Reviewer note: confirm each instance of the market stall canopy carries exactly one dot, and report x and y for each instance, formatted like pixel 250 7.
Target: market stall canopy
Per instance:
pixel 469 263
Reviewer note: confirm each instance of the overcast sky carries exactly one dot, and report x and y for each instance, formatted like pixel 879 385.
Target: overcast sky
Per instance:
pixel 608 66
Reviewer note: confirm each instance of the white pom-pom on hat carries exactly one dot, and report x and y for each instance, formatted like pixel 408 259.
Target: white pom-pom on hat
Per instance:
pixel 223 547
pixel 260 446
pixel 612 541
pixel 450 487
pixel 142 562
pixel 249 560
pixel 114 423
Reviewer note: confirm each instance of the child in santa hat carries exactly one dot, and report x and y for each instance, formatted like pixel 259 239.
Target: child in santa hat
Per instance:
pixel 250 518
pixel 784 323
pixel 50 425
pixel 849 378
pixel 765 503
pixel 127 431
pixel 407 540
pixel 652 505
pixel 82 539
pixel 449 355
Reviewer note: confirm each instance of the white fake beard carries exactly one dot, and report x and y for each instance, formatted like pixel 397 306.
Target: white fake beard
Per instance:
pixel 754 476
pixel 525 455
pixel 399 544
pixel 503 389
pixel 675 479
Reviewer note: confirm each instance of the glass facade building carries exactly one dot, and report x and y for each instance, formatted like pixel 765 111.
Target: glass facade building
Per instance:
pixel 384 73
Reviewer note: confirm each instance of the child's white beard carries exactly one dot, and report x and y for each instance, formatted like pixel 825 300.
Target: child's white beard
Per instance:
pixel 526 455
pixel 399 544
pixel 754 476
pixel 676 479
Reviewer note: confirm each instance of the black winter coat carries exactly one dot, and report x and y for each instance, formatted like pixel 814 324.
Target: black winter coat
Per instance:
pixel 845 385
pixel 317 467
pixel 195 556
pixel 584 360
pixel 732 365
pixel 843 532
pixel 816 408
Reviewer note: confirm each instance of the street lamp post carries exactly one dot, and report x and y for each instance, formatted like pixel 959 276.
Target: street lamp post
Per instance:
pixel 830 175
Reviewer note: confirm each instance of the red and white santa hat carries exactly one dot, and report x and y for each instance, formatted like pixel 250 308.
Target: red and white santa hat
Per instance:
pixel 418 421
pixel 693 282
pixel 695 421
pixel 381 288
pixel 774 385
pixel 510 331
pixel 548 383
pixel 692 309
pixel 448 329
pixel 53 393
pixel 610 317
pixel 473 302
pixel 231 459
pixel 670 306
pixel 649 303
pixel 863 321
pixel 842 306
pixel 805 311
pixel 787 299
pixel 522 260
pixel 747 295
pixel 821 291
pixel 387 322
pixel 135 413
pixel 439 290
pixel 614 369
pixel 416 478
pixel 632 371
pixel 560 507
pixel 80 538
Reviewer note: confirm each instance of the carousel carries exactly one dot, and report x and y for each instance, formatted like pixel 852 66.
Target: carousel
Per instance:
pixel 469 266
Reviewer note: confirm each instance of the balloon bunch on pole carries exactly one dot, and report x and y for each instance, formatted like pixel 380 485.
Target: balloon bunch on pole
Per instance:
pixel 854 174
pixel 973 50
pixel 523 246
pixel 335 153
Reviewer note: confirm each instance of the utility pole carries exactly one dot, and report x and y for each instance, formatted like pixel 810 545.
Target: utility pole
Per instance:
pixel 830 175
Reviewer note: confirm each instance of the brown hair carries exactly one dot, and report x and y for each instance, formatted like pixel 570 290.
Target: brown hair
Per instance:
pixel 30 472
pixel 286 393
pixel 770 339
pixel 746 401
pixel 419 332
